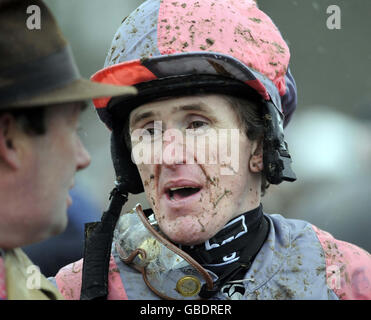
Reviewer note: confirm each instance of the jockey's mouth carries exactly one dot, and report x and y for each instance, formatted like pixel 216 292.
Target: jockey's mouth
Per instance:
pixel 181 189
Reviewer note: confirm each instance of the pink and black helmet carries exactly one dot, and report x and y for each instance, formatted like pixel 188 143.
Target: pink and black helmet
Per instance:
pixel 168 47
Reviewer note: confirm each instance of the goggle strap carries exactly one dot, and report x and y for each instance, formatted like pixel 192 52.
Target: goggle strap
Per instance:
pixel 175 249
pixel 132 255
pixel 141 269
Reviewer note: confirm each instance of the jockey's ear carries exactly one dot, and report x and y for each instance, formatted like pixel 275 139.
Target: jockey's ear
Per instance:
pixel 256 158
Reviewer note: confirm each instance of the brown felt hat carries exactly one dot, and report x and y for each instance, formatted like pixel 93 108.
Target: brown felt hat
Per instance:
pixel 36 64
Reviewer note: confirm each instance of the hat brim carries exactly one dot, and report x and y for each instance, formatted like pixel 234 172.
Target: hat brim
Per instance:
pixel 78 90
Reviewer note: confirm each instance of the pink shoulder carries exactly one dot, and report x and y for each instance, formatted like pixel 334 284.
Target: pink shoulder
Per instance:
pixel 348 267
pixel 69 280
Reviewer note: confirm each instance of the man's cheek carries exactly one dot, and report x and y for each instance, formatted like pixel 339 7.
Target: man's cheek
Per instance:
pixel 228 151
pixel 221 190
pixel 147 180
pixel 141 148
pixel 151 196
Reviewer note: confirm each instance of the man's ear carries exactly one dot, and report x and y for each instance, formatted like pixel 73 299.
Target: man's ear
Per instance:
pixel 9 133
pixel 256 159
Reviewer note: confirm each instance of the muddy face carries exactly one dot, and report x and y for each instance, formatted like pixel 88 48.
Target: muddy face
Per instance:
pixel 194 199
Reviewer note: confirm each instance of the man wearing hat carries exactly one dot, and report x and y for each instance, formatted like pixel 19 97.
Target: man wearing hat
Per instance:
pixel 202 139
pixel 41 98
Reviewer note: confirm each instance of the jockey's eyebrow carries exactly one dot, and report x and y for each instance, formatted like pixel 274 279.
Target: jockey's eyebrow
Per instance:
pixel 141 116
pixel 199 106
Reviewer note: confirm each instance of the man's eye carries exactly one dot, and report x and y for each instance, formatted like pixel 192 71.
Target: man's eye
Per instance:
pixel 197 124
pixel 154 131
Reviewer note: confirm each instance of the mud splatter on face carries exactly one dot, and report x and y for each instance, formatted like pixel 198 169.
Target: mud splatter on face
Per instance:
pixel 202 226
pixel 153 202
pixel 226 192
pixel 213 180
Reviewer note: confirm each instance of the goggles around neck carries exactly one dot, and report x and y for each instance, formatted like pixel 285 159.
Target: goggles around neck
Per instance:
pixel 167 270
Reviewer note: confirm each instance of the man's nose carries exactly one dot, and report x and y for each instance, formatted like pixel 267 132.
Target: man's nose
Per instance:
pixel 83 156
pixel 173 148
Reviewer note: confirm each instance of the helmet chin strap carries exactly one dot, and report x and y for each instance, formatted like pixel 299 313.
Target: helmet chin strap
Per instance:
pixel 97 250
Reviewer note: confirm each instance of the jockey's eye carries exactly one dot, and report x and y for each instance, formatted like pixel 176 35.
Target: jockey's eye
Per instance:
pixel 197 124
pixel 152 129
